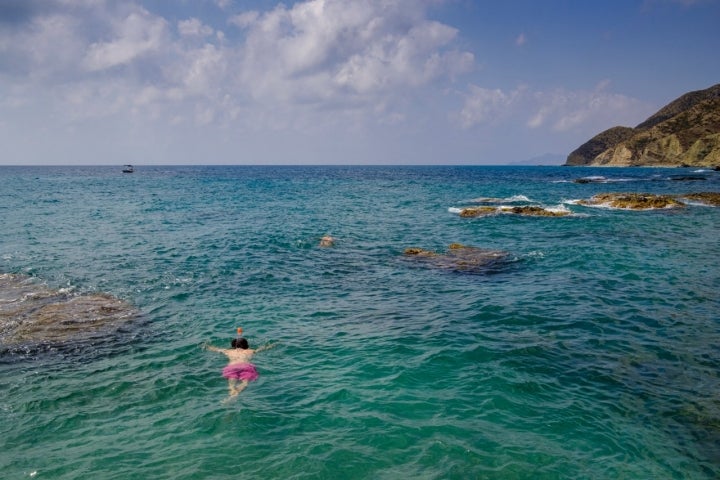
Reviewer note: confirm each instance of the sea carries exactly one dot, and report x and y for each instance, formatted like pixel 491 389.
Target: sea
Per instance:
pixel 591 351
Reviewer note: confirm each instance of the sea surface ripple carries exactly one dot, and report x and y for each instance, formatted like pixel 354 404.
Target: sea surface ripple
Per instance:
pixel 592 352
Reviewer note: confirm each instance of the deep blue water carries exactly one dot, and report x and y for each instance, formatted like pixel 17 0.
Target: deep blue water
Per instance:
pixel 593 352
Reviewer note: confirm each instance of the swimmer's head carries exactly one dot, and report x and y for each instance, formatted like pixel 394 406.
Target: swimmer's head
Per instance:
pixel 240 343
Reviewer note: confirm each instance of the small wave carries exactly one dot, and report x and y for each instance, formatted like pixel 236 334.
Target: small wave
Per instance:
pixel 697 203
pixel 601 179
pixel 559 209
pixel 512 199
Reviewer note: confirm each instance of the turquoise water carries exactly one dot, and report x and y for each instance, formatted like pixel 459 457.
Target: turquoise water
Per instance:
pixel 592 353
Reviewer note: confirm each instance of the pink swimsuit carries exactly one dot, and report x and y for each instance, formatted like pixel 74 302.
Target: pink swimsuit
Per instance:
pixel 241 371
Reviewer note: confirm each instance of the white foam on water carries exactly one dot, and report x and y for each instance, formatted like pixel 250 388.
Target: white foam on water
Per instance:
pixel 558 209
pixel 518 198
pixel 696 203
pixel 511 199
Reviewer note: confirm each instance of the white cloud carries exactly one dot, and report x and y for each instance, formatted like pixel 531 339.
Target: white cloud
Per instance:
pixel 558 110
pixel 341 66
pixel 483 105
pixel 323 50
pixel 46 50
pixel 564 110
pixel 315 55
pixel 194 28
pixel 136 34
pixel 245 19
pixel 520 40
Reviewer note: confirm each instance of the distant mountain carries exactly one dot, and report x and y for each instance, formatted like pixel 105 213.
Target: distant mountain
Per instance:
pixel 546 159
pixel 685 132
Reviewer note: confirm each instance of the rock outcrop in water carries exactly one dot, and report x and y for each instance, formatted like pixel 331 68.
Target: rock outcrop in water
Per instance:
pixel 708 198
pixel 525 210
pixel 632 201
pixel 649 201
pixel 686 132
pixel 461 258
pixel 32 314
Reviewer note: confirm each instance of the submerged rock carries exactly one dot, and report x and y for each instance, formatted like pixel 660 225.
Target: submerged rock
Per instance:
pixel 32 314
pixel 591 179
pixel 687 178
pixel 461 258
pixel 632 201
pixel 708 198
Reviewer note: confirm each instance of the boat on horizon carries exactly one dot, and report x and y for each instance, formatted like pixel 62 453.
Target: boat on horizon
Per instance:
pixel 128 169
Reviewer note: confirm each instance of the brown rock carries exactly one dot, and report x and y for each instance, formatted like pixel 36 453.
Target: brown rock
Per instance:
pixel 419 252
pixel 633 201
pixel 527 210
pixel 534 211
pixel 709 198
pixel 461 258
pixel 471 212
pixel 33 314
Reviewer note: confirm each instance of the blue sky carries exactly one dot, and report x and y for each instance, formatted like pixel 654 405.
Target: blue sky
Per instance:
pixel 338 81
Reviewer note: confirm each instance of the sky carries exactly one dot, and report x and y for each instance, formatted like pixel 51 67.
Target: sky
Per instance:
pixel 390 82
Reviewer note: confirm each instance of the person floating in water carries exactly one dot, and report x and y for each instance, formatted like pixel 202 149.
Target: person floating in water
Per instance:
pixel 327 241
pixel 239 371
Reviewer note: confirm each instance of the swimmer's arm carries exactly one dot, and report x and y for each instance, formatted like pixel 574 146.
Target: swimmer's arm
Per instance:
pixel 266 347
pixel 206 346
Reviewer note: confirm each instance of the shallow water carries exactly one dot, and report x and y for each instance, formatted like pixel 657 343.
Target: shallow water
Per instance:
pixel 591 353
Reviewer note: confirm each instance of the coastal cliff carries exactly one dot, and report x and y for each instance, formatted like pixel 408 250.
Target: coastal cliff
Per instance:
pixel 686 132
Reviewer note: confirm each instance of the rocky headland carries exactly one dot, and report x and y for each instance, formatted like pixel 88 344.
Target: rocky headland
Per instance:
pixel 686 132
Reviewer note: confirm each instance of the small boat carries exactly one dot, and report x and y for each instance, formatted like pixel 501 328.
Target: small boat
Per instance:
pixel 128 169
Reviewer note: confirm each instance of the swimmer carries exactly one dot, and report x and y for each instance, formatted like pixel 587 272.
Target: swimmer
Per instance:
pixel 327 241
pixel 239 371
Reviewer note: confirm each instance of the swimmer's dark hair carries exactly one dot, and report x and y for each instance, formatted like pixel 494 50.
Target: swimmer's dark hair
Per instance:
pixel 240 343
